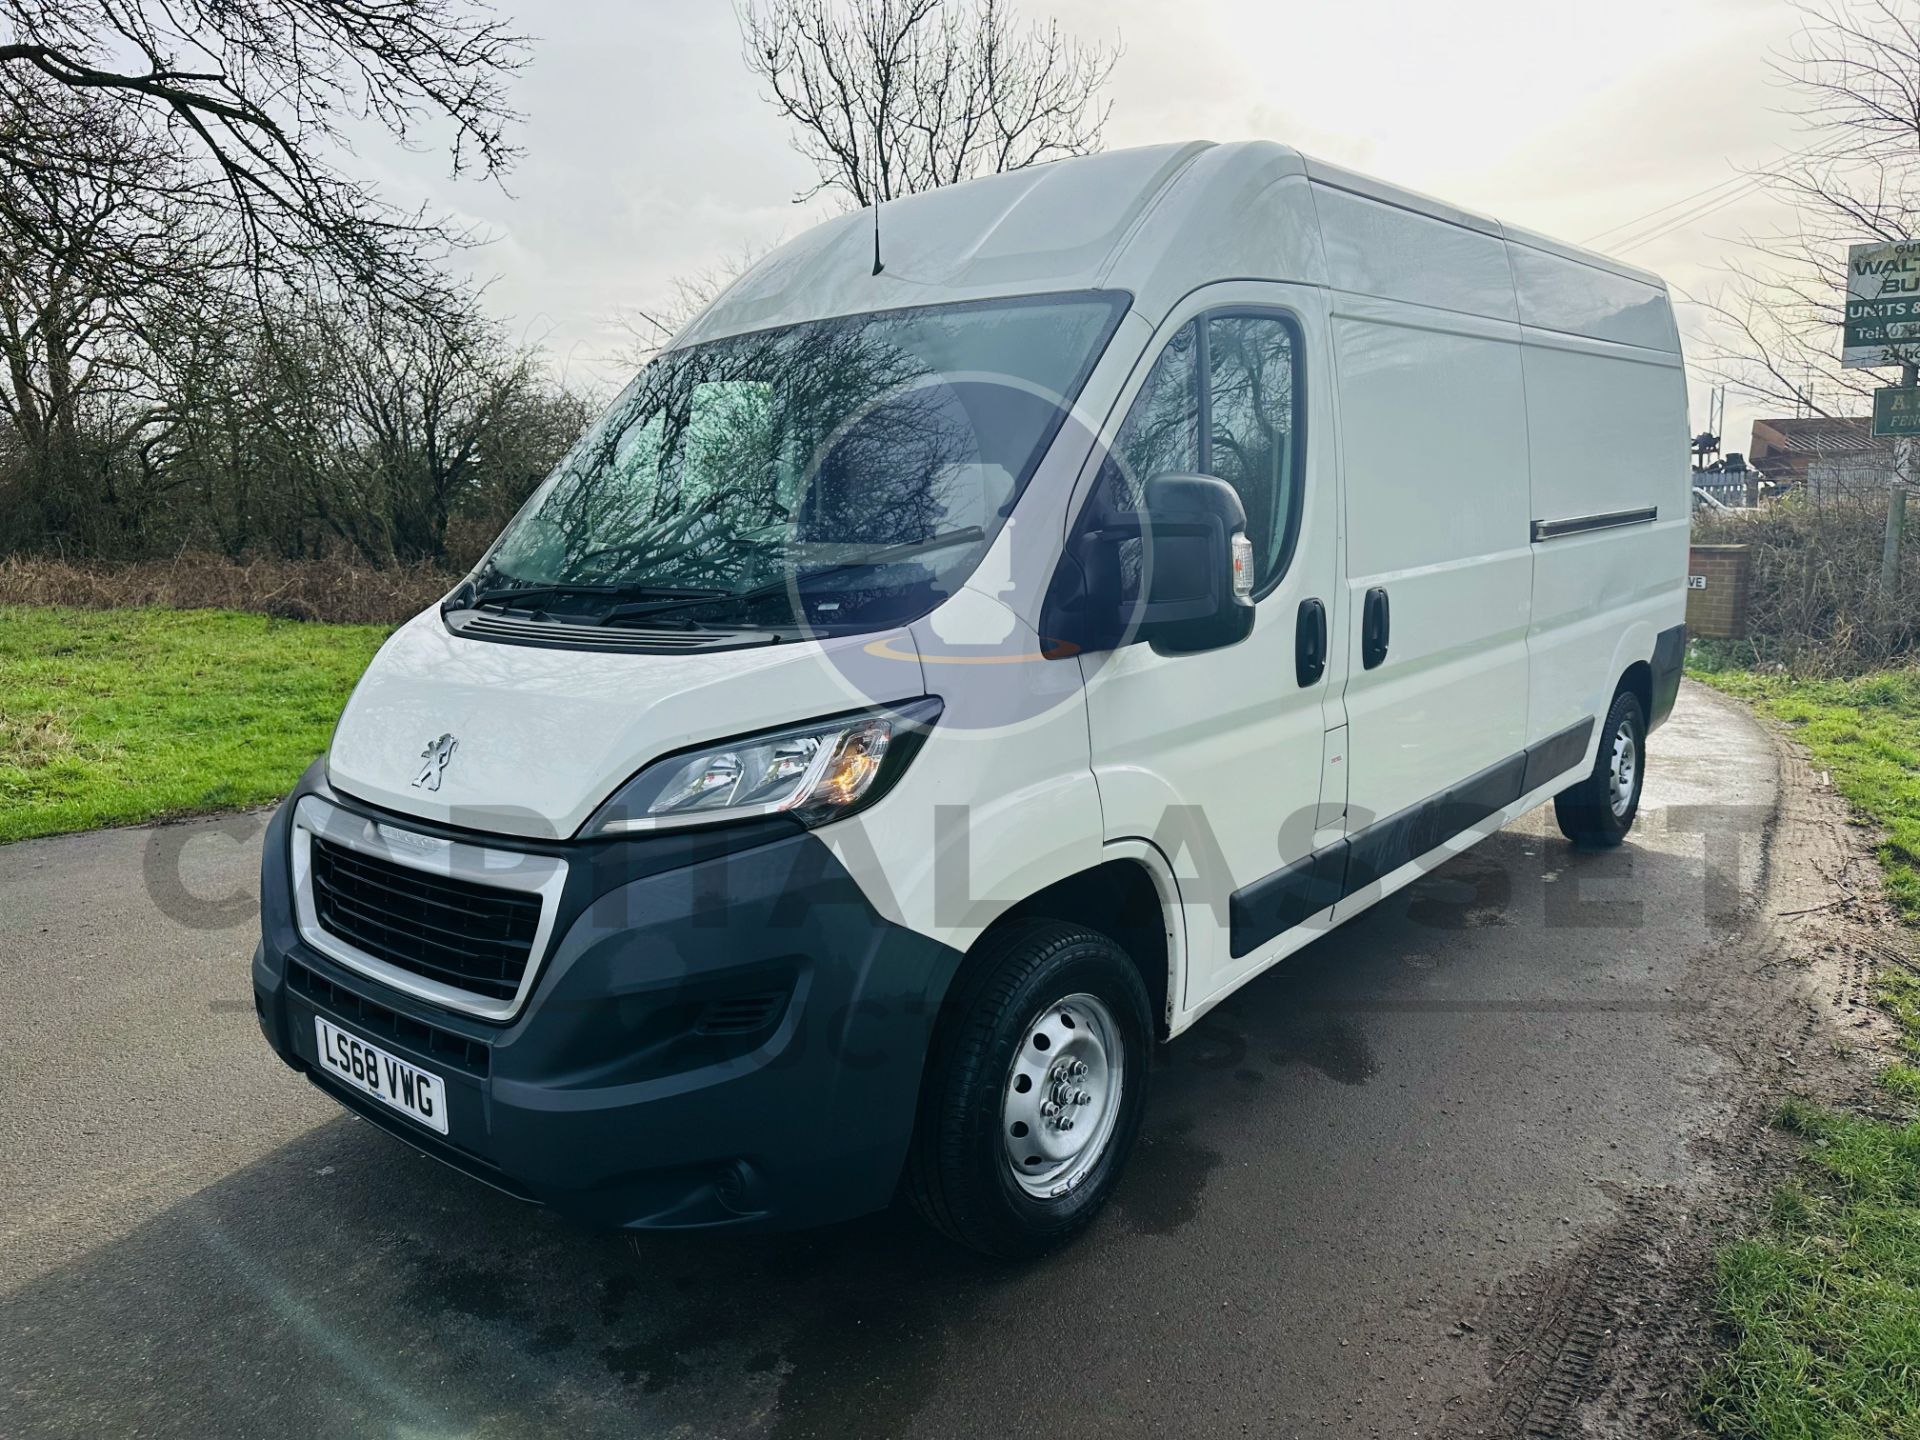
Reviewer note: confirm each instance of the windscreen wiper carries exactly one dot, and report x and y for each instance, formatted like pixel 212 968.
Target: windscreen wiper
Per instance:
pixel 886 555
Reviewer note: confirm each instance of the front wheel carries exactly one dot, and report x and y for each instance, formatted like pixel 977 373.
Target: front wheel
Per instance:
pixel 1034 1090
pixel 1599 811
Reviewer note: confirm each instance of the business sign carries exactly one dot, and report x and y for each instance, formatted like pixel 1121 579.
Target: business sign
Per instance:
pixel 1896 410
pixel 1883 305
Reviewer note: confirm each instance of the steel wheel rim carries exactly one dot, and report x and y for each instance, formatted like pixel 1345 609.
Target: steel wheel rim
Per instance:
pixel 1624 769
pixel 1069 1049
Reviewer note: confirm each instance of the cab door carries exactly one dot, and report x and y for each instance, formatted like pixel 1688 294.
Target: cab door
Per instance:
pixel 1221 758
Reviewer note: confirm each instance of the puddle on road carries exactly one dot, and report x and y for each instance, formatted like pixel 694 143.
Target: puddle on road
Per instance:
pixel 1166 1177
pixel 1333 1048
pixel 666 1358
pixel 841 1332
pixel 871 1309
pixel 1471 892
pixel 1284 1022
pixel 481 1292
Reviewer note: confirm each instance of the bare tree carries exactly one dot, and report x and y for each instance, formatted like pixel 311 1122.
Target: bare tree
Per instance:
pixel 149 402
pixel 97 246
pixel 890 97
pixel 208 334
pixel 259 91
pixel 648 329
pixel 1853 72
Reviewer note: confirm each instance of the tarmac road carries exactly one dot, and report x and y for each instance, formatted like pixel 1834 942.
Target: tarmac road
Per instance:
pixel 1343 1171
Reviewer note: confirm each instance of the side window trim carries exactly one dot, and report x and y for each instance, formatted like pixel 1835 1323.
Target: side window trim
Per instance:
pixel 1202 323
pixel 1094 496
pixel 1203 388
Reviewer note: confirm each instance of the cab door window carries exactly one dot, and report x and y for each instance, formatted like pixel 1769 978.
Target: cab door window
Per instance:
pixel 1223 399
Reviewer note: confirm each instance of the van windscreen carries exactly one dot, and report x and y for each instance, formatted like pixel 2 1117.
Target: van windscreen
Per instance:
pixel 840 474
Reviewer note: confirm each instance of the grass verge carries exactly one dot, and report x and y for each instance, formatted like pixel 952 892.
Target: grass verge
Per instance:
pixel 113 717
pixel 1824 1304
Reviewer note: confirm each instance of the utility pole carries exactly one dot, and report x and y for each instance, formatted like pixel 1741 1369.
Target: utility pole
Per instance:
pixel 1897 496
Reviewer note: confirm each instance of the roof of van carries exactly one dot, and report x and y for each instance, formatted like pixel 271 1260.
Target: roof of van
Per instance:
pixel 1068 225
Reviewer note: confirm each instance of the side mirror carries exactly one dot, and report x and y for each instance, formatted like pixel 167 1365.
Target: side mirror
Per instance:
pixel 1197 566
pixel 1194 589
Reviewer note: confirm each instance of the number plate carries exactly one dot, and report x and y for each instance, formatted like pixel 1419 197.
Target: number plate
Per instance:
pixel 372 1071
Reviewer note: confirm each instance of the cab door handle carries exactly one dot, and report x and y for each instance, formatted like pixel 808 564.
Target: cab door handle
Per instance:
pixel 1374 627
pixel 1310 642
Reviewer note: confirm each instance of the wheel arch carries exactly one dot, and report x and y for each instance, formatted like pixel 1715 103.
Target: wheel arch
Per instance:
pixel 1637 680
pixel 1632 672
pixel 1132 897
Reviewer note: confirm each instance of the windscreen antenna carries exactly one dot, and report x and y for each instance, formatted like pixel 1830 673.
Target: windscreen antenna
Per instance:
pixel 877 266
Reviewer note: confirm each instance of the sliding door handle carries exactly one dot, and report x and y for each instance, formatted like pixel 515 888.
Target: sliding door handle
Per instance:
pixel 1310 642
pixel 1374 627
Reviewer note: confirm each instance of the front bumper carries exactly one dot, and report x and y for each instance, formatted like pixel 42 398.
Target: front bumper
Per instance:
pixel 724 1031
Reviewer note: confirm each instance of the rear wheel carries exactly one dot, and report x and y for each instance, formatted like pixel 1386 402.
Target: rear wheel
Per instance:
pixel 1600 810
pixel 1034 1090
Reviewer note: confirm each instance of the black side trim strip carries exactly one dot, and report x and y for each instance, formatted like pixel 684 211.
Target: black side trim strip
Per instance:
pixel 1581 524
pixel 1386 845
pixel 1280 901
pixel 1556 755
pixel 1669 659
pixel 1276 903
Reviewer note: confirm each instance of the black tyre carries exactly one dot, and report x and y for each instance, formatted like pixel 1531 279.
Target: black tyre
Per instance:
pixel 1599 811
pixel 1034 1090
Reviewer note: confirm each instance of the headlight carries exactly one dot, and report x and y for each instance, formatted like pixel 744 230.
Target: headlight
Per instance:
pixel 815 773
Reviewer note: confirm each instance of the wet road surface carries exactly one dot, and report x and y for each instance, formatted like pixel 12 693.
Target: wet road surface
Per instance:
pixel 1340 1168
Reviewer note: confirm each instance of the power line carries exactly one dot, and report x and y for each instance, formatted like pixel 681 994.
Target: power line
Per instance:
pixel 1630 224
pixel 1686 218
pixel 1735 187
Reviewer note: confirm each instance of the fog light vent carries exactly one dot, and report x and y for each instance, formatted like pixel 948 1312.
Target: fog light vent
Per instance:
pixel 742 1014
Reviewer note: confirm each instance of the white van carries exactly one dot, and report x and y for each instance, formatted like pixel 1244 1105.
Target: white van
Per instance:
pixel 993 632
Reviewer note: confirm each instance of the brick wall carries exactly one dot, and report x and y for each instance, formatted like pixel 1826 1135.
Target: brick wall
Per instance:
pixel 1719 611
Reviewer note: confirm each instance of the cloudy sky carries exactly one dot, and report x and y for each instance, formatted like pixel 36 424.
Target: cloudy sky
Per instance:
pixel 651 155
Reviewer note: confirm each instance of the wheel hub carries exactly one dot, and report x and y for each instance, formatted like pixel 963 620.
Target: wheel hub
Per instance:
pixel 1062 1095
pixel 1623 768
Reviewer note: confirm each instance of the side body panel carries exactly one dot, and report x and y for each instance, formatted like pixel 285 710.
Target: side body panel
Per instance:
pixel 1607 413
pixel 1434 432
pixel 1511 419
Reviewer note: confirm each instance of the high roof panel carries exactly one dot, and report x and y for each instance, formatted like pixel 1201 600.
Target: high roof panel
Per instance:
pixel 1162 219
pixel 1050 227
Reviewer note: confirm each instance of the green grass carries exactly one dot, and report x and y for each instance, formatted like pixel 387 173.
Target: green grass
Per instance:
pixel 112 717
pixel 1824 1304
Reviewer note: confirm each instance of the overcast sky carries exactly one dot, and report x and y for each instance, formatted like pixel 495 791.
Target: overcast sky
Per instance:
pixel 650 153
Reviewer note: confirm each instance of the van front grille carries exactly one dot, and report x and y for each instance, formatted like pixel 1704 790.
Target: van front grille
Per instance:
pixel 472 937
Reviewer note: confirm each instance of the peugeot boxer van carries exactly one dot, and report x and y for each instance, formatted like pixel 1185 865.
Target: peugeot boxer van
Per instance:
pixel 1000 626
